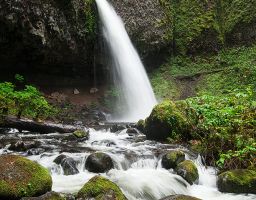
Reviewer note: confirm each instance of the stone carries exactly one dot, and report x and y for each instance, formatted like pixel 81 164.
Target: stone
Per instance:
pixel 47 196
pixel 172 159
pixel 187 170
pixel 21 177
pixel 81 134
pixel 99 162
pixel 100 188
pixel 94 90
pixel 68 164
pixel 174 120
pixel 237 181
pixel 76 91
pixel 179 197
pixel 23 145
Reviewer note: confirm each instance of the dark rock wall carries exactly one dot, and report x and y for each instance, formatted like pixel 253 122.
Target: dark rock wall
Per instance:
pixel 61 36
pixel 48 36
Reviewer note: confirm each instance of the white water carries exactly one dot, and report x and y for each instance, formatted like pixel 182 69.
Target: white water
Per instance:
pixel 137 94
pixel 138 171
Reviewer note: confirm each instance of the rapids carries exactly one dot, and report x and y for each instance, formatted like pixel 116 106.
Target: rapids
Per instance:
pixel 138 171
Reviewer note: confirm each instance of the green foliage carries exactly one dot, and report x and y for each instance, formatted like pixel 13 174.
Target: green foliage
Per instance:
pixel 28 102
pixel 188 20
pixel 91 20
pixel 227 127
pixel 6 97
pixel 215 75
pixel 19 78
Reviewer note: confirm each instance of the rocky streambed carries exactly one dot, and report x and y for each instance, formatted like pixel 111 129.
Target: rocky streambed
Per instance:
pixel 123 158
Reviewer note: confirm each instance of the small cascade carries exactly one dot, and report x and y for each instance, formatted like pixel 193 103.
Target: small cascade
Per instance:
pixel 137 97
pixel 137 166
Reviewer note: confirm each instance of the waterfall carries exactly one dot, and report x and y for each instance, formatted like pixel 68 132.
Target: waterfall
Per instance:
pixel 137 97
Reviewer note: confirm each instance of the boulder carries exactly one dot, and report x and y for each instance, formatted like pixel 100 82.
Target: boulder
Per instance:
pixel 170 120
pixel 20 177
pixel 23 145
pixel 187 170
pixel 47 196
pixel 141 125
pixel 132 131
pixel 100 188
pixel 99 162
pixel 237 181
pixel 179 197
pixel 81 134
pixel 116 127
pixel 35 151
pixel 172 159
pixel 78 135
pixel 68 164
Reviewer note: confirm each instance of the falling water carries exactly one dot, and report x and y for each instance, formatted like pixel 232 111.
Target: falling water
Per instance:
pixel 136 92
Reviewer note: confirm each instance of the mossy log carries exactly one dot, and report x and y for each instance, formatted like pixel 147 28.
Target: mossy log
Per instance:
pixel 33 126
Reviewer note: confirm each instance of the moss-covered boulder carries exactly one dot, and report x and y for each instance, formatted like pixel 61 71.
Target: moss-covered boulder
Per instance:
pixel 170 120
pixel 20 177
pixel 81 134
pixel 100 188
pixel 187 170
pixel 237 181
pixel 99 162
pixel 172 159
pixel 140 125
pixel 47 196
pixel 179 197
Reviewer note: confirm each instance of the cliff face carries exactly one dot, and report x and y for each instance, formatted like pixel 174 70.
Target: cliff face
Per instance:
pixel 60 36
pixel 48 34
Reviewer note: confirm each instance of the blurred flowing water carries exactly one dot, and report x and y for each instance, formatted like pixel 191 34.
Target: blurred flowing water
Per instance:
pixel 137 97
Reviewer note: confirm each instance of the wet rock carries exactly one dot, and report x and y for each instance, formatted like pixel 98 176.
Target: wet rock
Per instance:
pixel 141 125
pixel 172 159
pixel 187 170
pixel 99 162
pixel 132 131
pixel 35 151
pixel 47 196
pixel 24 145
pixel 107 143
pixel 78 135
pixel 237 181
pixel 99 187
pixel 168 120
pixel 117 127
pixel 81 134
pixel 21 177
pixel 68 164
pixel 179 197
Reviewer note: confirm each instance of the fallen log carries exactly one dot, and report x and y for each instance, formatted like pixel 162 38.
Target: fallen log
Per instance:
pixel 33 126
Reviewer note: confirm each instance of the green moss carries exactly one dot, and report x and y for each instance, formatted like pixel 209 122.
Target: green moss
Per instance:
pixel 26 178
pixel 170 120
pixel 230 69
pixel 97 187
pixel 80 133
pixel 188 171
pixel 172 159
pixel 188 20
pixel 237 181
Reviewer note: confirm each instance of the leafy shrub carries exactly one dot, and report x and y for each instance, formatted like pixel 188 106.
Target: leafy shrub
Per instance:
pixel 28 102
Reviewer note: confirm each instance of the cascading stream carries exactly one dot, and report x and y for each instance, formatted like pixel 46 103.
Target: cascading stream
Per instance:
pixel 137 96
pixel 137 171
